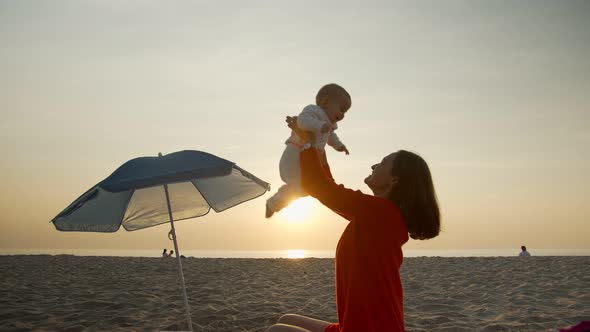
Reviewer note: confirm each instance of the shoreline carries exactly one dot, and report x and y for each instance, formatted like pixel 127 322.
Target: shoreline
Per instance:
pixel 293 253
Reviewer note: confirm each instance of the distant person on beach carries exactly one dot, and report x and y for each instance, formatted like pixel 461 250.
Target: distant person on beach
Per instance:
pixel 164 253
pixel 171 253
pixel 321 118
pixel 523 252
pixel 369 255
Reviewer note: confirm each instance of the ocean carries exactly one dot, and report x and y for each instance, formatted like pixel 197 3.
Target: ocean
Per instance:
pixel 293 253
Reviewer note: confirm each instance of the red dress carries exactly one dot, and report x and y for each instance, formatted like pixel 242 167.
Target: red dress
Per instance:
pixel 369 293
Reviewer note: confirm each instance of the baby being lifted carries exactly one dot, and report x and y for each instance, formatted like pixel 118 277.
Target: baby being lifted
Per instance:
pixel 332 102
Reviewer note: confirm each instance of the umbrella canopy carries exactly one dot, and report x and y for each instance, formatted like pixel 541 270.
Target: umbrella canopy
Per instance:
pixel 134 195
pixel 150 191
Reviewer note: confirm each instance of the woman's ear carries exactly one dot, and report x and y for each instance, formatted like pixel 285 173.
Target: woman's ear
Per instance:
pixel 394 181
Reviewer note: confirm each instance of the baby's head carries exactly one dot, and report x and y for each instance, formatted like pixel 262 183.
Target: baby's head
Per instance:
pixel 334 100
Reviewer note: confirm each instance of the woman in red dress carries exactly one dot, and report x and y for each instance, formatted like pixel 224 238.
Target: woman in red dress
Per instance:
pixel 369 293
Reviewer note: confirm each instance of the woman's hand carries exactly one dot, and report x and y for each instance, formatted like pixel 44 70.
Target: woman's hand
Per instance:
pixel 305 135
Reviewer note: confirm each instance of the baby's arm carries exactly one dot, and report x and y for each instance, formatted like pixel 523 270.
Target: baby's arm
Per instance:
pixel 307 121
pixel 335 142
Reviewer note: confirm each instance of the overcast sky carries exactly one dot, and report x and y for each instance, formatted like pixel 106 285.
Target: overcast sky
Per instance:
pixel 495 95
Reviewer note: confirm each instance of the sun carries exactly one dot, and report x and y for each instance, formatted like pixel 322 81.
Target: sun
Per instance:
pixel 298 210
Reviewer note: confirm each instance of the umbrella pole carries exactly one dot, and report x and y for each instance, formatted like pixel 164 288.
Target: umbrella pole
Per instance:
pixel 173 231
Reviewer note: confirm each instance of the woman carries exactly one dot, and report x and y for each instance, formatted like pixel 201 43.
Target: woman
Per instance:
pixel 369 255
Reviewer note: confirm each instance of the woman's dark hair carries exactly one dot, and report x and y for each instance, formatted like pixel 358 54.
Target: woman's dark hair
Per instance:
pixel 414 194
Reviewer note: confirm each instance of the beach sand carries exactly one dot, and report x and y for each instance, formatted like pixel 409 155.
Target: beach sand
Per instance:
pixel 71 293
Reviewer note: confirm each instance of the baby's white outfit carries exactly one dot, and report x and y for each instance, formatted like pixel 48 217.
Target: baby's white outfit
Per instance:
pixel 312 118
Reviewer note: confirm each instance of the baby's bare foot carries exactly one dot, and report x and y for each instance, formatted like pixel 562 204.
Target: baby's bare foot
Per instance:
pixel 269 212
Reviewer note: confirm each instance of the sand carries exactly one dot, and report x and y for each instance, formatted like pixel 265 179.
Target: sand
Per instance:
pixel 71 293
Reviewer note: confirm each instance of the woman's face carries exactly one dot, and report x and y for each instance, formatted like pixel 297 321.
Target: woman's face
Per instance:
pixel 381 181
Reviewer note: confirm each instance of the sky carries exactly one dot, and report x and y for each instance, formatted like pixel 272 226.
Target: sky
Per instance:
pixel 494 95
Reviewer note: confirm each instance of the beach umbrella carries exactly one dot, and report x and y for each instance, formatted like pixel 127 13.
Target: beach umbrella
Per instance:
pixel 150 191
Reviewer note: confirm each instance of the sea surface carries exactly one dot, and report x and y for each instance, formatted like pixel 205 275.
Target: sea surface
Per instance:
pixel 293 253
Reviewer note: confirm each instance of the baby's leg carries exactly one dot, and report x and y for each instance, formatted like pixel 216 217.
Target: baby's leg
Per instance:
pixel 285 195
pixel 289 166
pixel 291 175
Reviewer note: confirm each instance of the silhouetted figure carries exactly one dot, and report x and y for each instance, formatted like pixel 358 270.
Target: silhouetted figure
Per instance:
pixel 524 253
pixel 171 253
pixel 164 253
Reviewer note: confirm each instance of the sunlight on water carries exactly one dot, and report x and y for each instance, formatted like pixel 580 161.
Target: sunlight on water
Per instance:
pixel 292 253
pixel 295 253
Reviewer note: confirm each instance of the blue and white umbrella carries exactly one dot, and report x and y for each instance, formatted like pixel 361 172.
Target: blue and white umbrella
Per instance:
pixel 150 191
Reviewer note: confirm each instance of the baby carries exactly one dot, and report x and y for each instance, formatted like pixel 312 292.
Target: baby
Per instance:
pixel 332 101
